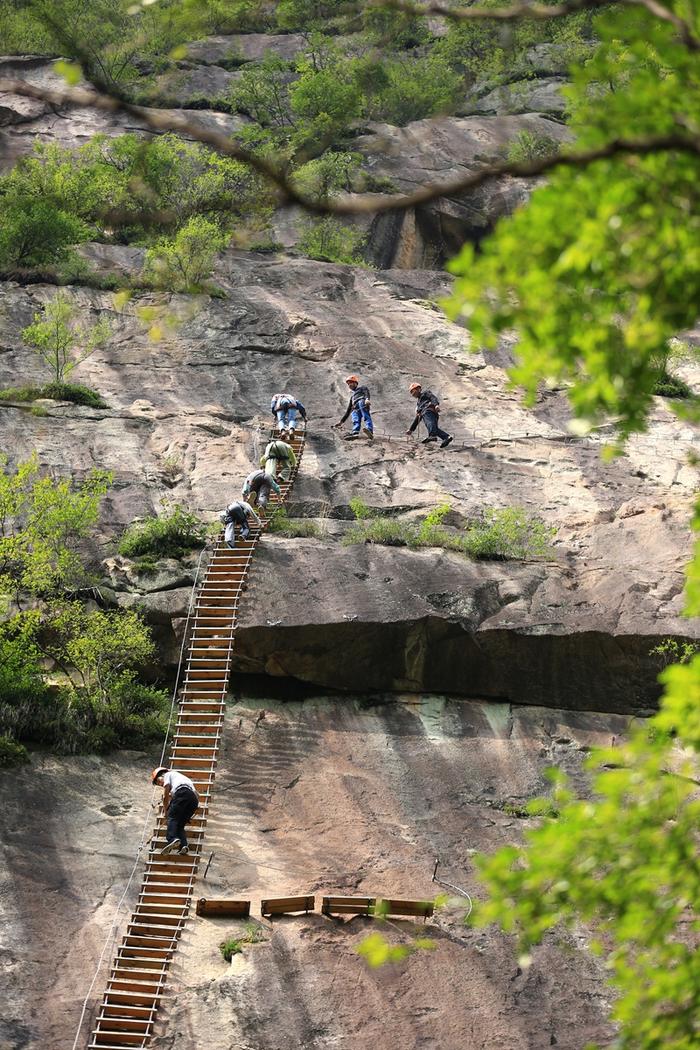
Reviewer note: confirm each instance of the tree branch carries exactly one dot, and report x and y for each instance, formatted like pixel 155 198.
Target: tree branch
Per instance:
pixel 541 12
pixel 365 204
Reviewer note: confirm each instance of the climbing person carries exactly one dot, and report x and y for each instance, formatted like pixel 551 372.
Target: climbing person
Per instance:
pixel 180 802
pixel 278 456
pixel 257 487
pixel 237 513
pixel 284 408
pixel 428 409
pixel 358 409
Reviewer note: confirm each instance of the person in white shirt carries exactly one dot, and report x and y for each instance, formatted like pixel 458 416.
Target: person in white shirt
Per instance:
pixel 180 802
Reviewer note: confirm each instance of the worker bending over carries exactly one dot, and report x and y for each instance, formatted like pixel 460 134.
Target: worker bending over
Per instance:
pixel 278 456
pixel 237 513
pixel 358 408
pixel 285 407
pixel 428 409
pixel 257 487
pixel 180 802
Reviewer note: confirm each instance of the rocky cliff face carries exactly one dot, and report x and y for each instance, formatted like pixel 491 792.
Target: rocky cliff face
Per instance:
pixel 412 741
pixel 316 797
pixel 188 416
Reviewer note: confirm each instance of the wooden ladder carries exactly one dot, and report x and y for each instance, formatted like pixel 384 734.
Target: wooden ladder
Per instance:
pixel 138 973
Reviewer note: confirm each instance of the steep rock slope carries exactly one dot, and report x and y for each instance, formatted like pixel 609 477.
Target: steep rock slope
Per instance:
pixel 322 796
pixel 188 416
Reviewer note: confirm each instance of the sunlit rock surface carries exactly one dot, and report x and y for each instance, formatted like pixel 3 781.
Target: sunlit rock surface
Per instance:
pixel 189 415
pixel 327 795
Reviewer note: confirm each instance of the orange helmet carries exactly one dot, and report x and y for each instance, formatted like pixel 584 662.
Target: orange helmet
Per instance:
pixel 158 772
pixel 353 379
pixel 413 387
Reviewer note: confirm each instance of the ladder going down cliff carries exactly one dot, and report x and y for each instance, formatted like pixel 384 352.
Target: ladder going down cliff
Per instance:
pixel 138 973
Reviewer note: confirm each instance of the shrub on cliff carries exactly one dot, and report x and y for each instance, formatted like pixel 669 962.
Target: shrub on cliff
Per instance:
pixel 68 672
pixel 182 263
pixel 169 535
pixel 503 534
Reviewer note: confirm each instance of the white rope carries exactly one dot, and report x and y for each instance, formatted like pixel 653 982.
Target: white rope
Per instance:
pixel 111 933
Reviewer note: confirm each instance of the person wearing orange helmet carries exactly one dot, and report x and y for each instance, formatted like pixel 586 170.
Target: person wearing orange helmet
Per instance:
pixel 358 409
pixel 428 409
pixel 180 802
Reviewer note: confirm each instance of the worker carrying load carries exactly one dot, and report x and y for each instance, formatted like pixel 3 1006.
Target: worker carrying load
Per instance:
pixel 278 456
pixel 180 802
pixel 257 487
pixel 428 409
pixel 284 408
pixel 358 408
pixel 237 513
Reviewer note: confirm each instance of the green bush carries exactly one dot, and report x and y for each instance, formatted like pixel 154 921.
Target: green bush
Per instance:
pixel 531 145
pixel 330 240
pixel 669 385
pixel 505 534
pixel 169 536
pixel 34 232
pixel 12 753
pixel 282 525
pixel 360 509
pixel 415 88
pixel 499 535
pixel 182 263
pixel 62 339
pixel 79 395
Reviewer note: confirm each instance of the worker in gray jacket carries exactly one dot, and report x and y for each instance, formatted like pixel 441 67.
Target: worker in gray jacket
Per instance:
pixel 257 487
pixel 237 513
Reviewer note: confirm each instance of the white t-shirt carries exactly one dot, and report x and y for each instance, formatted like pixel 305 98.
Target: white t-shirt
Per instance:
pixel 176 780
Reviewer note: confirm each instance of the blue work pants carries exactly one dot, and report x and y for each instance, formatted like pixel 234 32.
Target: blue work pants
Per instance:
pixel 360 414
pixel 286 418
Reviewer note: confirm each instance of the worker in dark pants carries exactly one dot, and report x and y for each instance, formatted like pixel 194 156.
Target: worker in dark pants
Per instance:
pixel 257 487
pixel 180 802
pixel 237 513
pixel 428 409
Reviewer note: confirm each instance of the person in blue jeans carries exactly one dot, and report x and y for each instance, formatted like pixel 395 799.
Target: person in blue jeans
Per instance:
pixel 428 409
pixel 358 410
pixel 284 408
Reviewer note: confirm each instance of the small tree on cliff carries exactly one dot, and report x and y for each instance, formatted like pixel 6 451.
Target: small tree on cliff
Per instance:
pixel 62 339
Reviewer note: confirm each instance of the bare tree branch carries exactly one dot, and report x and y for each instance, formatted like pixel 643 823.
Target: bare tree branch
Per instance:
pixel 541 12
pixel 365 204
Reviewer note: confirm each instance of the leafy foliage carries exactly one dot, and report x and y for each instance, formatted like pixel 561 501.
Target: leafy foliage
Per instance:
pixel 41 525
pixel 61 338
pixel 97 702
pixel 79 395
pixel 625 864
pixel 330 240
pixel 183 262
pixel 122 189
pixel 169 536
pixel 506 534
pixel 12 753
pixel 601 267
pixel 281 524
pixel 529 146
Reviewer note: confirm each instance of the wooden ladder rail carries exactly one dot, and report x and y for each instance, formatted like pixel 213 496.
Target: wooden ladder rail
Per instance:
pixel 137 978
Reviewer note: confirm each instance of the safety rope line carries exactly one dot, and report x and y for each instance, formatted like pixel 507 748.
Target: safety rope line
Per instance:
pixel 188 646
